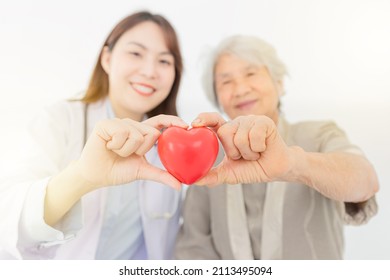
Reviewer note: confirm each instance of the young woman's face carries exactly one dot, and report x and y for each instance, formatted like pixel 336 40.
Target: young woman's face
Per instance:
pixel 141 71
pixel 245 89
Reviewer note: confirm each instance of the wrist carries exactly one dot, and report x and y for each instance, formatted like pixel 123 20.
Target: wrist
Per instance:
pixel 63 191
pixel 71 182
pixel 297 163
pixel 82 183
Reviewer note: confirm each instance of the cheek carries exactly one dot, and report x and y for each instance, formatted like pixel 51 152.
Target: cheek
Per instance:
pixel 118 72
pixel 224 100
pixel 168 77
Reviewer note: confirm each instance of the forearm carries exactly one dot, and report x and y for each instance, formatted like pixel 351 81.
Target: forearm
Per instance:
pixel 338 175
pixel 62 192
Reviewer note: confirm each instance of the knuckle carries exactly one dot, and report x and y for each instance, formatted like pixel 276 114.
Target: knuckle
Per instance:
pixel 137 139
pixel 156 133
pixel 240 139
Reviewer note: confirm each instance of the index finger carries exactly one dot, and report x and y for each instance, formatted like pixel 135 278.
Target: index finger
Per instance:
pixel 163 121
pixel 212 120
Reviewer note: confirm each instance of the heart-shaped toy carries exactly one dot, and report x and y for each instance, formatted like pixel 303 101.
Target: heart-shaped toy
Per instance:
pixel 188 154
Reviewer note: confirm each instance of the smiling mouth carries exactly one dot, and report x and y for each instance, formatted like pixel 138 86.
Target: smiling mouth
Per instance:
pixel 143 89
pixel 245 105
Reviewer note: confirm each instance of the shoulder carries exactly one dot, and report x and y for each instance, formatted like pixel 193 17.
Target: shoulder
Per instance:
pixel 64 108
pixel 319 136
pixel 314 127
pixel 60 109
pixel 57 118
pixel 313 130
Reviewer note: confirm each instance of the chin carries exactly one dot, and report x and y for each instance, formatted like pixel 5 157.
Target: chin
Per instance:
pixel 247 113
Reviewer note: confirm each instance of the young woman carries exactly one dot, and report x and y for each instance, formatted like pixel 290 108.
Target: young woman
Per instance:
pixel 94 187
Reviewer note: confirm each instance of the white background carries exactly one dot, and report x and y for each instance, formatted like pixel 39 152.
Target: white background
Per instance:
pixel 337 53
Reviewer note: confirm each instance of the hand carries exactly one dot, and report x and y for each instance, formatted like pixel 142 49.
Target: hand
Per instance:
pixel 114 153
pixel 254 150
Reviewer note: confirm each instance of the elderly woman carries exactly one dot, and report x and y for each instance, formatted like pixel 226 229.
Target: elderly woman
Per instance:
pixel 281 191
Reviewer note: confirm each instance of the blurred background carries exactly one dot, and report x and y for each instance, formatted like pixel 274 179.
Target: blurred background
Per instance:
pixel 337 53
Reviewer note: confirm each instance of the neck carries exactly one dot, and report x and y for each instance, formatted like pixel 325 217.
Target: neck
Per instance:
pixel 121 113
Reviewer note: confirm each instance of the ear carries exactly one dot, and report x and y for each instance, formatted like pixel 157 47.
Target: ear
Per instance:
pixel 105 59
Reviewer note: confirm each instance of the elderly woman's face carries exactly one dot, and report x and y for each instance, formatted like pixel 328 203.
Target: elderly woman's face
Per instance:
pixel 245 89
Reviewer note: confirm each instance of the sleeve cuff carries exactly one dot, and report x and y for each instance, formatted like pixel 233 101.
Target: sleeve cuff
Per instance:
pixel 359 213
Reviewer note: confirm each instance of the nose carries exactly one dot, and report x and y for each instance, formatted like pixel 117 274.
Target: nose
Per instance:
pixel 241 88
pixel 148 68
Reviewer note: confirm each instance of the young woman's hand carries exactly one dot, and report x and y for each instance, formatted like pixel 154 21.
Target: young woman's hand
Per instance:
pixel 115 152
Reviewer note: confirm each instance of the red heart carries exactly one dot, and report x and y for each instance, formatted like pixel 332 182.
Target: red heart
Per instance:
pixel 188 154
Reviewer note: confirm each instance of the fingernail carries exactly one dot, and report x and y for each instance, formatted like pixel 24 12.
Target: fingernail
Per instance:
pixel 196 122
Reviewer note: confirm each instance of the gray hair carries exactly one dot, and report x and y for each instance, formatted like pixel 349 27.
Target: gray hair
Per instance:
pixel 249 48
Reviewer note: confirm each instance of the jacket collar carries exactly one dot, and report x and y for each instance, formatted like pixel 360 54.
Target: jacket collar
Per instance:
pixel 272 229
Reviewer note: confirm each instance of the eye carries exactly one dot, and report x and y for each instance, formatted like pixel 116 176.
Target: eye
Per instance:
pixel 226 82
pixel 135 54
pixel 249 74
pixel 165 62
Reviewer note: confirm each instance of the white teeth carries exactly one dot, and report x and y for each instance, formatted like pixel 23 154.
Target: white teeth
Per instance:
pixel 143 89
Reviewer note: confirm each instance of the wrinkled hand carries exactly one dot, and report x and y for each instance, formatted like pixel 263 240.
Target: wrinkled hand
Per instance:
pixel 254 150
pixel 115 152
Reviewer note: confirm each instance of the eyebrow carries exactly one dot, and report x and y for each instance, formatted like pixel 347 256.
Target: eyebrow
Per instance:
pixel 228 75
pixel 252 67
pixel 145 48
pixel 222 76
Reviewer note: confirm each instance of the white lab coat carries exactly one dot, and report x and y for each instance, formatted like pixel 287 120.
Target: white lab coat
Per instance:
pixel 57 138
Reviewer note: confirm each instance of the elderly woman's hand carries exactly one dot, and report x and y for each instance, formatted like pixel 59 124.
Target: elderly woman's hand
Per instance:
pixel 254 150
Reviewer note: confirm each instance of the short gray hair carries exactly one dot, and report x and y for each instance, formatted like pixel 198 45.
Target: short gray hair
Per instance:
pixel 249 48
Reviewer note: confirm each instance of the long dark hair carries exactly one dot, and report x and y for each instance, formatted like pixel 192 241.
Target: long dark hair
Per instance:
pixel 98 85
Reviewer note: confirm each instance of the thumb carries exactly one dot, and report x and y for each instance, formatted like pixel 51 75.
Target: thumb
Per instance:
pixel 149 172
pixel 211 179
